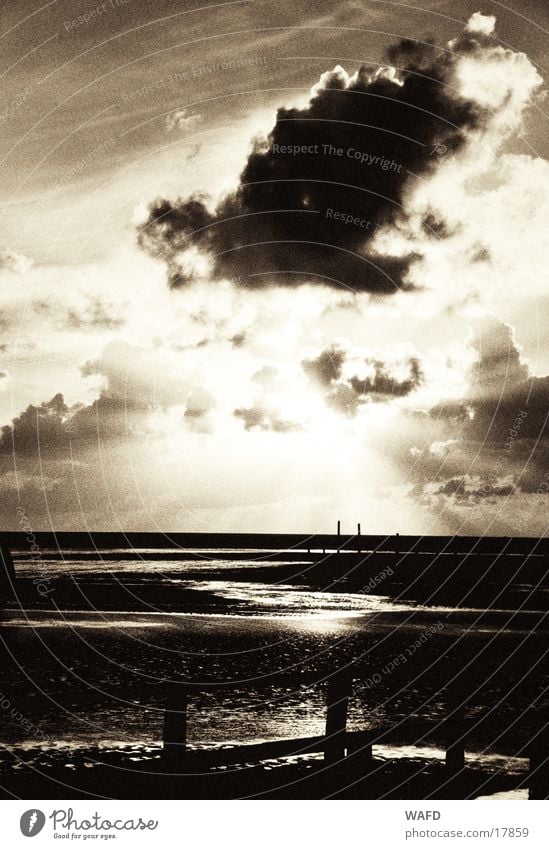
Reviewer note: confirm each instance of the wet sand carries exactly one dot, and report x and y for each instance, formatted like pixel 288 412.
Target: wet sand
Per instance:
pixel 94 680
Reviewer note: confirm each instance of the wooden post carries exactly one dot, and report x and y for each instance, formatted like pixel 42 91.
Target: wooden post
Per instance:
pixel 175 724
pixel 362 755
pixel 538 779
pixel 337 699
pixel 7 574
pixel 338 527
pixel 455 728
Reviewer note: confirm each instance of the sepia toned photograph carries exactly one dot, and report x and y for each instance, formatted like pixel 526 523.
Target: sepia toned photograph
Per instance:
pixel 274 401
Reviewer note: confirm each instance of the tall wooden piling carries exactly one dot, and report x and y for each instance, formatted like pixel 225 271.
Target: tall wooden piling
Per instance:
pixel 7 574
pixel 175 724
pixel 538 778
pixel 455 727
pixel 337 700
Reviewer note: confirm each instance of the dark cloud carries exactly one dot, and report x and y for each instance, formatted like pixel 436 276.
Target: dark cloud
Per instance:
pixel 468 489
pixel 499 364
pixel 383 384
pixel 97 315
pixel 134 385
pixel 358 139
pixel 343 398
pixel 326 368
pixel 198 405
pixel 238 340
pixel 346 393
pixel 51 428
pixel 260 417
pixel 502 391
pixel 498 434
pixel 38 427
pixel 435 228
pixel 94 314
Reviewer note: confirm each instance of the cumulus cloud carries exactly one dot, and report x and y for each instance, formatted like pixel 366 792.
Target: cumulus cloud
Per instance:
pixel 480 23
pixel 494 442
pixel 350 381
pixel 384 181
pixel 134 384
pixel 502 388
pixel 356 149
pixel 15 262
pixel 39 427
pixel 327 367
pixel 499 365
pixel 260 417
pixel 471 489
pixel 78 310
pixel 50 429
pixel 180 119
pixel 262 413
pixel 484 209
pixel 96 314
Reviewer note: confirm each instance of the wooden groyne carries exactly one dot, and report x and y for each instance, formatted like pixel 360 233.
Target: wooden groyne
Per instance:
pixel 351 751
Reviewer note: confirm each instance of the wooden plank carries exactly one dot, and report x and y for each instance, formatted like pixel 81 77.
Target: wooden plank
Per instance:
pixel 252 752
pixel 197 759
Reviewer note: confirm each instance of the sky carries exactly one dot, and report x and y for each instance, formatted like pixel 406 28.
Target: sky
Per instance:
pixel 267 266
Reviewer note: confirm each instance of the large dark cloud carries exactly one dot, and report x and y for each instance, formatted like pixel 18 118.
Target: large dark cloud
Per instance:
pixel 347 392
pixel 276 226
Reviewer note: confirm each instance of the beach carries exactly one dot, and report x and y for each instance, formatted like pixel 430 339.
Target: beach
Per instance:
pixel 88 681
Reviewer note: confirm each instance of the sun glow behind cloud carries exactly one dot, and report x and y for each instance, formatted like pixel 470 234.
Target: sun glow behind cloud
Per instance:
pixel 256 392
